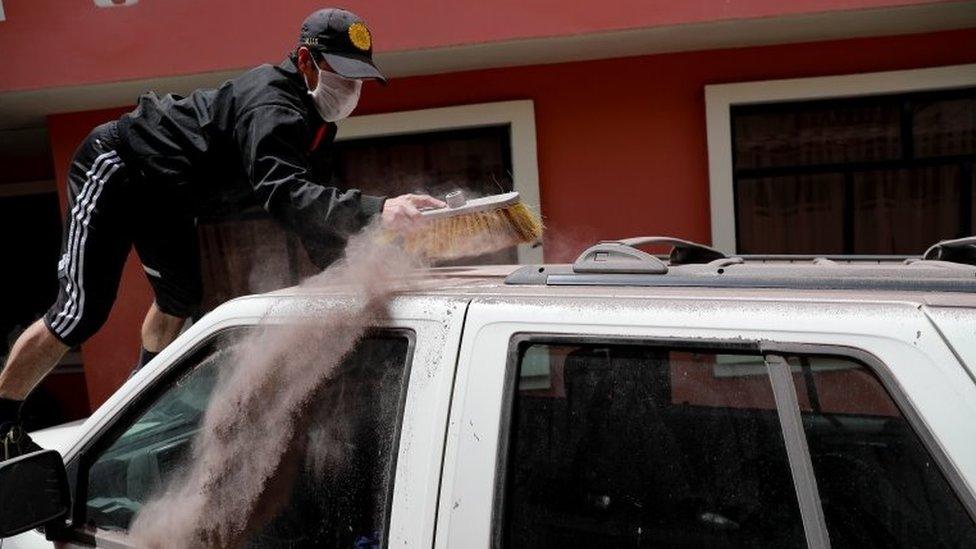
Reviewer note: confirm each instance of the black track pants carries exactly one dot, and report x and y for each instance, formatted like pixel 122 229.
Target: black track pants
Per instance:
pixel 108 212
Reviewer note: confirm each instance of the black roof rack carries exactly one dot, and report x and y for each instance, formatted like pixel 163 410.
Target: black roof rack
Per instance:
pixel 960 250
pixel 623 256
pixel 949 266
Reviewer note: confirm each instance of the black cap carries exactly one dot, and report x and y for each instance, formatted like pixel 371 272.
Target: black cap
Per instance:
pixel 343 38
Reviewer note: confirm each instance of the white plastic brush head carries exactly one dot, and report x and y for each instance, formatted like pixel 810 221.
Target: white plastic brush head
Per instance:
pixel 464 207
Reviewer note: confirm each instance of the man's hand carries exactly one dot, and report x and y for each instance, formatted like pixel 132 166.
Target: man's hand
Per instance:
pixel 402 214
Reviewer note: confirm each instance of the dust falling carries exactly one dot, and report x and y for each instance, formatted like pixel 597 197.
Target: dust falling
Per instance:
pixel 254 435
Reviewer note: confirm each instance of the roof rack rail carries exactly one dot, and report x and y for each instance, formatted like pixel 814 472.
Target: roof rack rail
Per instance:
pixel 946 266
pixel 623 256
pixel 683 252
pixel 959 250
pixel 617 257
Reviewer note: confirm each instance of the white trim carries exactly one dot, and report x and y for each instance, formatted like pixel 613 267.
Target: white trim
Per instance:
pixel 720 98
pixel 518 115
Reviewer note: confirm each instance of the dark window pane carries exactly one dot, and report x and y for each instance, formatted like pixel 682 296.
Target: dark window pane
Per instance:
pixel 144 457
pixel 906 211
pixel 476 160
pixel 878 484
pixel 32 259
pixel 246 256
pixel 793 214
pixel 826 132
pixel 907 160
pixel 971 188
pixel 340 498
pixel 944 126
pixel 625 446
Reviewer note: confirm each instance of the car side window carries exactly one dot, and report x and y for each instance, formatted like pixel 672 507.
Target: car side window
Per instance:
pixel 149 451
pixel 342 495
pixel 879 486
pixel 623 445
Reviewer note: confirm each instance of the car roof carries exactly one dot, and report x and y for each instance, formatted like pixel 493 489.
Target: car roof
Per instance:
pixel 490 282
pixel 945 275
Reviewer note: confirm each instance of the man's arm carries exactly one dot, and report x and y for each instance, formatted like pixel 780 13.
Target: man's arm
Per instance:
pixel 272 140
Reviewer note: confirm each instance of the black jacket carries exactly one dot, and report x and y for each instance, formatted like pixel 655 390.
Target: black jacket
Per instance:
pixel 256 136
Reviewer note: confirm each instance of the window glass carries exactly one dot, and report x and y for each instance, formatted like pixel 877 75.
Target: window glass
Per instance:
pixel 341 497
pixel 878 485
pixel 792 214
pixel 620 445
pixel 817 132
pixel 944 127
pixel 884 174
pixel 904 211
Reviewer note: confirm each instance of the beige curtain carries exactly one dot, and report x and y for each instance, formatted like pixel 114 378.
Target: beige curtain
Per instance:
pixel 905 211
pixel 791 215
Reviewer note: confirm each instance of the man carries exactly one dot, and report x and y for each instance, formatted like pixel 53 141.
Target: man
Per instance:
pixel 142 180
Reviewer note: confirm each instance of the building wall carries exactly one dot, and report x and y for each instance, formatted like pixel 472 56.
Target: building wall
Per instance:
pixel 621 144
pixel 177 37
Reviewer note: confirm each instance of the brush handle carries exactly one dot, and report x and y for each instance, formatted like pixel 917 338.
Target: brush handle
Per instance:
pixel 486 203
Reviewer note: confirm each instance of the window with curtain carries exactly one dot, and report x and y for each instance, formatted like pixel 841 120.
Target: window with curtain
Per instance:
pixel 887 174
pixel 250 253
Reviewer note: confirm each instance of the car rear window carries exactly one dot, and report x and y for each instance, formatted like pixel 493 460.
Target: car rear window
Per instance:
pixel 624 444
pixel 627 445
pixel 879 486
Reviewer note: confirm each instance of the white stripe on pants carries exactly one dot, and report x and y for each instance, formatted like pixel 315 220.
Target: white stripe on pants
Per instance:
pixel 102 169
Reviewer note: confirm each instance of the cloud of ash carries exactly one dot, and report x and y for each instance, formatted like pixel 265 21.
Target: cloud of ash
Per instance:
pixel 280 410
pixel 257 431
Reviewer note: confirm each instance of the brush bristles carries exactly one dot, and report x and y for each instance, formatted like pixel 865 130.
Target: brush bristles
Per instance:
pixel 476 233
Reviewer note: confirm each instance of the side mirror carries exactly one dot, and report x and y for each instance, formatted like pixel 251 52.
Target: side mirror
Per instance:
pixel 33 492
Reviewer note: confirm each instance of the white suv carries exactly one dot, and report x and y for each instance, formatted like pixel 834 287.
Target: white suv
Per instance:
pixel 623 401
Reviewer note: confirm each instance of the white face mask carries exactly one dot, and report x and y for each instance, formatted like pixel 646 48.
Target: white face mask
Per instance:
pixel 335 96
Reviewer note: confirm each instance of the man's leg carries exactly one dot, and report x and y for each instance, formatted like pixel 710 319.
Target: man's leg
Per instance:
pixel 34 354
pixel 158 330
pixel 95 243
pixel 168 246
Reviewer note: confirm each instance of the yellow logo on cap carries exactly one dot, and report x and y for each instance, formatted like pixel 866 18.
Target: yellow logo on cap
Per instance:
pixel 359 35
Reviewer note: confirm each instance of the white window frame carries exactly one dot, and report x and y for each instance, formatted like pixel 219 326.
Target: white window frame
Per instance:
pixel 719 99
pixel 518 115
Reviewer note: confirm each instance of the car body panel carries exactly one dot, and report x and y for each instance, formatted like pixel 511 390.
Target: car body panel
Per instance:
pixel 925 371
pixel 436 324
pixel 60 437
pixel 465 319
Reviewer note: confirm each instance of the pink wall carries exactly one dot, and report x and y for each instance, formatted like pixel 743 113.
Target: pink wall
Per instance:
pixel 621 143
pixel 51 43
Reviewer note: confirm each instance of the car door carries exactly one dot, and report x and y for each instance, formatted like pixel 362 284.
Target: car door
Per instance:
pixel 638 422
pixel 379 481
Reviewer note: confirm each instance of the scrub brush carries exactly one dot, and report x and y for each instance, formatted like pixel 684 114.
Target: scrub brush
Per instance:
pixel 473 227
